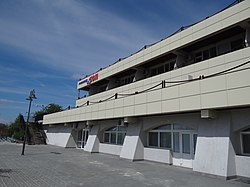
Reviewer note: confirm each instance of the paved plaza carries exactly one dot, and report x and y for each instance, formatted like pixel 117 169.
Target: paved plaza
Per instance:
pixel 45 165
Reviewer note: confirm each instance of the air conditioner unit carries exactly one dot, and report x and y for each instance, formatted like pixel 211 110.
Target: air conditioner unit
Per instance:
pixel 208 114
pixel 129 120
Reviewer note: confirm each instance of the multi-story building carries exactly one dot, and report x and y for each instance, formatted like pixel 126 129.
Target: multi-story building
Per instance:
pixel 183 101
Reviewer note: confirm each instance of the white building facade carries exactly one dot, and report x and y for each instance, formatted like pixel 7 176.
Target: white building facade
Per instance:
pixel 183 101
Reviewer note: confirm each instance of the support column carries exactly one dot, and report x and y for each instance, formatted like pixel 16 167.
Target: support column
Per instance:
pixel 133 148
pixel 247 37
pixel 214 151
pixel 92 145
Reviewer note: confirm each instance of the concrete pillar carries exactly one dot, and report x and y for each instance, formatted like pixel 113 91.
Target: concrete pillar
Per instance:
pixel 72 139
pixel 139 74
pixel 133 148
pixel 214 151
pixel 247 37
pixel 112 84
pixel 92 145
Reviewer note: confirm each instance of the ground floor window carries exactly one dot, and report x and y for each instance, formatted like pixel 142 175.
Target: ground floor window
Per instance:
pixel 115 135
pixel 177 137
pixel 245 141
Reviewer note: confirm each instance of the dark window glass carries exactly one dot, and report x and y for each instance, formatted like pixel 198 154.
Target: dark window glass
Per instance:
pixel 113 137
pixel 186 143
pixel 237 44
pixel 171 65
pixel 198 57
pixel 79 138
pixel 223 48
pixel 165 139
pixel 212 52
pixel 153 139
pixel 246 143
pixel 205 54
pixel 106 138
pixel 176 143
pixel 167 68
pixel 160 69
pixel 120 138
pixel 153 72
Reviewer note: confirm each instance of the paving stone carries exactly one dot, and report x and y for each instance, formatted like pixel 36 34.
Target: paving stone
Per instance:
pixel 46 165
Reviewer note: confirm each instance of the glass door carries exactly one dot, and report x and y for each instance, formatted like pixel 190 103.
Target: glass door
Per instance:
pixel 184 144
pixel 82 138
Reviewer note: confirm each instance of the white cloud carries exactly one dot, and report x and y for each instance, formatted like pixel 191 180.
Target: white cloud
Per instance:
pixel 69 35
pixel 7 102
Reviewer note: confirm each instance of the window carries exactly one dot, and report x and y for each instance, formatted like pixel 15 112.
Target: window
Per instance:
pixel 160 137
pixel 178 137
pixel 165 140
pixel 115 135
pixel 205 54
pixel 198 57
pixel 162 68
pixel 126 80
pixel 236 44
pixel 153 139
pixel 245 141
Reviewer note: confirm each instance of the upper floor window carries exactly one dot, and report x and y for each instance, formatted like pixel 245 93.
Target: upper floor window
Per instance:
pixel 205 54
pixel 219 48
pixel 237 44
pixel 245 141
pixel 162 68
pixel 127 80
pixel 115 135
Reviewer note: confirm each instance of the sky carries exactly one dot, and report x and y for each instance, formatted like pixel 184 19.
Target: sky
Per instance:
pixel 47 45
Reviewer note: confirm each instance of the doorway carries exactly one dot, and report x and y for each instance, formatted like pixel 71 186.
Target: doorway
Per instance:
pixel 82 137
pixel 184 145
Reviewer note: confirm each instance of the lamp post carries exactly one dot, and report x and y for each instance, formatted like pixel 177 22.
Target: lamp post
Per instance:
pixel 30 98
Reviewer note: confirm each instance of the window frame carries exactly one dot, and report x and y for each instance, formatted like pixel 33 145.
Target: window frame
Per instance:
pixel 109 131
pixel 172 130
pixel 241 142
pixel 167 65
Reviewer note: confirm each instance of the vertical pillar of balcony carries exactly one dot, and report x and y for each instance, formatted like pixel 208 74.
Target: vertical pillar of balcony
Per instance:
pixel 112 83
pixel 247 37
pixel 140 74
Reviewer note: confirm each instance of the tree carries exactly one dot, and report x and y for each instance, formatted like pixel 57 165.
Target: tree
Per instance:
pixel 49 109
pixel 3 130
pixel 16 129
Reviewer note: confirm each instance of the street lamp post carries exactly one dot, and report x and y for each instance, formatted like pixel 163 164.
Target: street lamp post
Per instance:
pixel 30 98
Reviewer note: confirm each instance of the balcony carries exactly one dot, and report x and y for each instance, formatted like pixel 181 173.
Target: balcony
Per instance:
pixel 225 90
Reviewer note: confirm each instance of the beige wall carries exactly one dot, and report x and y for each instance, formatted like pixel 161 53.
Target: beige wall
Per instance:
pixel 230 90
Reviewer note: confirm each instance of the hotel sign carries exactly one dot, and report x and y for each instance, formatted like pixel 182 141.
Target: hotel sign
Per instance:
pixel 89 80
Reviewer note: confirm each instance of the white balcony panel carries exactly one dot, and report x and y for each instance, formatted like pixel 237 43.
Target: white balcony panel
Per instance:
pixel 140 109
pixel 172 105
pixel 128 111
pixel 190 103
pixel 154 107
pixel 214 100
pixel 239 96
pixel 213 84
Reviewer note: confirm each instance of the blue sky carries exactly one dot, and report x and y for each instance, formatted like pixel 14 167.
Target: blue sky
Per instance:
pixel 47 45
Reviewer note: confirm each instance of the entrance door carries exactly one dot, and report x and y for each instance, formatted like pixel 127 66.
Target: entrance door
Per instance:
pixel 184 144
pixel 82 138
